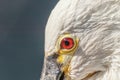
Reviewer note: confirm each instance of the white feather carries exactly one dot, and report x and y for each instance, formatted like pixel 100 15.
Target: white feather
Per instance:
pixel 97 24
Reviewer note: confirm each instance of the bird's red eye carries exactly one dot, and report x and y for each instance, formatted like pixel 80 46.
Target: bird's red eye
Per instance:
pixel 67 43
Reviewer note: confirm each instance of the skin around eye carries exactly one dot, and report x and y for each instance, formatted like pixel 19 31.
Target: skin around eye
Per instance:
pixel 66 44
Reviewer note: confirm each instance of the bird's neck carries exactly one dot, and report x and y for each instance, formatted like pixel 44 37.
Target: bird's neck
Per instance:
pixel 111 74
pixel 113 70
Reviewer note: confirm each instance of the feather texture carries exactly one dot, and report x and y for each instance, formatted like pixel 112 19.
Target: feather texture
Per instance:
pixel 97 24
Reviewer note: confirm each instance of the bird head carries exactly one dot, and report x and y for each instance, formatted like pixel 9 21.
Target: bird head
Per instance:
pixel 80 42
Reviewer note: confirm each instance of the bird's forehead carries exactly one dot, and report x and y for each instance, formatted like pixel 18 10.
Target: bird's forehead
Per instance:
pixel 57 22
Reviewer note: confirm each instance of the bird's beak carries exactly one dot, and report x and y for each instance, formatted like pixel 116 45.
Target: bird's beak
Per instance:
pixel 51 70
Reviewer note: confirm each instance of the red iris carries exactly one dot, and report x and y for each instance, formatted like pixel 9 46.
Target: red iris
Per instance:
pixel 67 43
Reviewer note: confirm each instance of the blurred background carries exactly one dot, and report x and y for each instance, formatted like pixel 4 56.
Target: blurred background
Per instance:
pixel 22 25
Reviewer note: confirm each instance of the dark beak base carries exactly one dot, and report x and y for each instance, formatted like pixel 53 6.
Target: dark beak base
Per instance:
pixel 51 70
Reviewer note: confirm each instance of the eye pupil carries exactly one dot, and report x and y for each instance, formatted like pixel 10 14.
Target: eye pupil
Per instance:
pixel 67 43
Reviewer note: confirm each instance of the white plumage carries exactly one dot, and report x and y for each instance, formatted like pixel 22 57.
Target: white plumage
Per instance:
pixel 97 24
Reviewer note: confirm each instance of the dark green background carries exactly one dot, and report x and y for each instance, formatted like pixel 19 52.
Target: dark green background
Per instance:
pixel 22 24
